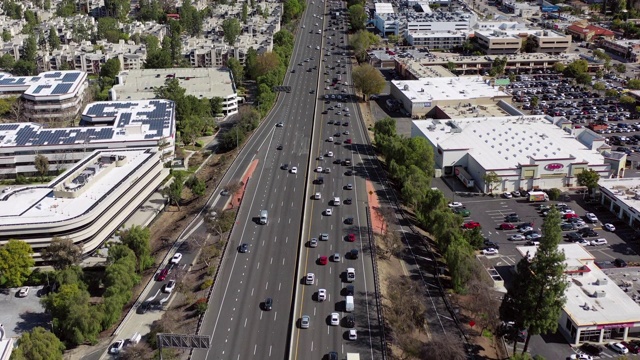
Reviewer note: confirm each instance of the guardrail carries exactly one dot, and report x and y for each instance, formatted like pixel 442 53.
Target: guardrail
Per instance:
pixel 376 282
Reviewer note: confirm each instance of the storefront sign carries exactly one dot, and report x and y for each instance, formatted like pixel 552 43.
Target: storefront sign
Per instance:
pixel 554 167
pixel 615 326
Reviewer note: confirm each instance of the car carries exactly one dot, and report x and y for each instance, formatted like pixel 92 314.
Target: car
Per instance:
pixel 490 244
pixel 490 251
pixel 224 192
pixel 620 263
pixel 583 242
pixel 351 274
pixel 506 226
pixel 543 207
pixel 320 158
pixel 284 167
pixel 351 237
pixel 348 187
pixel 471 225
pixel 144 307
pixel 609 227
pixel 516 237
pixel 507 195
pixel 313 242
pixel 591 217
pixel 633 347
pixel 323 260
pixel 322 294
pixel 116 347
pixel 324 237
pixel 455 204
pixel 348 141
pixel 279 147
pixel 533 236
pixel 335 319
pixel 574 236
pixel 579 356
pixel 162 274
pixel 512 218
pixel 587 232
pixel 597 242
pixel 350 321
pixel 328 212
pixel 353 334
pixel 332 355
pixel 525 229
pixel 294 170
pixel 23 292
pixel 319 169
pixel 566 226
pixel 304 321
pixel 317 196
pixel 168 287
pixel 336 257
pixel 280 124
pixel 348 201
pixel 243 248
pixel 176 258
pixel 310 278
pixel 618 347
pixel 327 170
pixel 267 305
pixel 353 254
pixel 592 349
pixel 462 212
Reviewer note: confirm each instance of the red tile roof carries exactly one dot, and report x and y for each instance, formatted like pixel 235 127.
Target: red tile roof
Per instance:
pixel 596 30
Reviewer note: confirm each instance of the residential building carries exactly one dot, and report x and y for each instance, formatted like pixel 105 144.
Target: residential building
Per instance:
pixel 203 83
pixel 51 95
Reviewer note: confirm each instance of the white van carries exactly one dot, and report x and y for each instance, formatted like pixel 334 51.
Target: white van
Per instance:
pixel 264 217
pixel 349 304
pixel 336 201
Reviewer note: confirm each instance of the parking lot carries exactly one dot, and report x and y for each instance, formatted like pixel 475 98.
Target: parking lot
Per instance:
pixel 490 212
pixel 22 314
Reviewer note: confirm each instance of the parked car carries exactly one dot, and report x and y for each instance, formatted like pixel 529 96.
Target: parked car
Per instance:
pixel 506 226
pixel 471 225
pixel 516 237
pixel 609 227
pixel 618 347
pixel 23 292
pixel 592 349
pixel 490 251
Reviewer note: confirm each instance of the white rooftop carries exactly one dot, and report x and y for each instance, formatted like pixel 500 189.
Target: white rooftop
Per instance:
pixel 38 204
pixel 447 88
pixel 506 141
pixel 112 121
pixel 625 190
pixel 585 278
pixel 384 8
pixel 50 83
pixel 199 82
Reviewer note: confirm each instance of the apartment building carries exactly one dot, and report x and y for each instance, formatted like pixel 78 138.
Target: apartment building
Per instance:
pixel 203 83
pixel 49 96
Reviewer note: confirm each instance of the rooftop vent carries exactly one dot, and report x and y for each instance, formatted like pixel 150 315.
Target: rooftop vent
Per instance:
pixel 602 281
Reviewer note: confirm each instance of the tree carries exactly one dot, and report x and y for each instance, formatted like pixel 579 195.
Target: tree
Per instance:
pixel 197 186
pixel 62 253
pixel 42 165
pixel 231 28
pixel 118 9
pixel 559 67
pixel 576 67
pixel 111 68
pixel 175 29
pixel 620 68
pixel 588 178
pixel 174 191
pixel 15 263
pixel 357 17
pixel 368 80
pixel 236 70
pixel 627 100
pixel 54 39
pixel 446 348
pixel 633 84
pixel 361 41
pixel 137 238
pixel 6 35
pixel 38 344
pixel 245 13
pixel 536 297
pixel 7 61
pixel 599 86
pixel 30 49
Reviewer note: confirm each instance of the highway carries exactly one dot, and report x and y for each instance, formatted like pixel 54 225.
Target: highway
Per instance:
pixel 239 325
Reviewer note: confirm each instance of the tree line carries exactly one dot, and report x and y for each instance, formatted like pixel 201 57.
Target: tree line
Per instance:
pixel 77 318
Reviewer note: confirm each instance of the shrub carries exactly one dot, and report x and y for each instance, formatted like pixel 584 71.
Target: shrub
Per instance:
pixel 206 284
pixel 554 194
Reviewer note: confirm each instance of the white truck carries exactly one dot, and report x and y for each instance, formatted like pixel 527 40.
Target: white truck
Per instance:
pixel 535 196
pixel 353 356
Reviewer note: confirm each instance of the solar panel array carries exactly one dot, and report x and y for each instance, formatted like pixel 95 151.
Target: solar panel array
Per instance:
pixel 53 75
pixel 29 136
pixel 99 109
pixel 157 119
pixel 70 77
pixel 40 88
pixel 9 127
pixel 61 88
pixel 12 81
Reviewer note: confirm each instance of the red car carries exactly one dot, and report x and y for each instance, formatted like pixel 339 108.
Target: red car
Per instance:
pixel 348 141
pixel 323 260
pixel 506 226
pixel 162 275
pixel 471 225
pixel 351 237
pixel 570 216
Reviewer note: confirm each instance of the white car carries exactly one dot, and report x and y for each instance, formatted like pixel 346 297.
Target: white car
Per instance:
pixel 597 242
pixel 313 242
pixel 455 204
pixel 525 229
pixel 328 212
pixel 319 169
pixel 322 294
pixel 516 237
pixel 579 357
pixel 116 347
pixel 533 236
pixel 176 258
pixel 330 154
pixel 168 287
pixel 591 217
pixel 317 196
pixel 294 170
pixel 619 348
pixel 24 291
pixel 609 227
pixel 490 251
pixel 335 319
pixel 336 257
pixel 583 242
pixel 310 279
pixel 507 195
pixel 353 334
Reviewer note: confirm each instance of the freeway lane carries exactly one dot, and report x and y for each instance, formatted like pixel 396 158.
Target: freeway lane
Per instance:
pixel 321 337
pixel 238 326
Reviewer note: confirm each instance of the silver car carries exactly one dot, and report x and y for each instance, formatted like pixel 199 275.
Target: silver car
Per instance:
pixel 304 321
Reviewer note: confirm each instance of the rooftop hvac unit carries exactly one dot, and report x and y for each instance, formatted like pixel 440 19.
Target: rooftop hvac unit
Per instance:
pixel 602 281
pixel 599 294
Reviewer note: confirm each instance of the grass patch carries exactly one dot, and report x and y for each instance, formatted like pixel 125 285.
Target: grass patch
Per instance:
pixel 486 333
